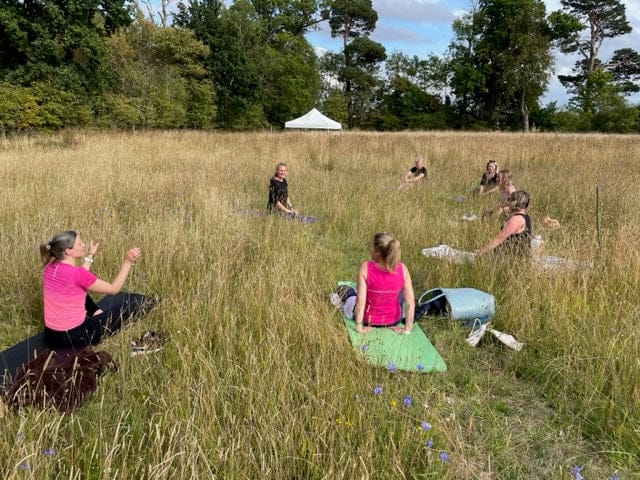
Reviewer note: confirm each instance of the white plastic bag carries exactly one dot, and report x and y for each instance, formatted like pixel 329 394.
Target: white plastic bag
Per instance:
pixel 507 339
pixel 476 334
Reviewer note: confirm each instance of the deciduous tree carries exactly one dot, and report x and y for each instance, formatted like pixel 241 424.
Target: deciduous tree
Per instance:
pixel 500 59
pixel 159 79
pixel 56 49
pixel 262 67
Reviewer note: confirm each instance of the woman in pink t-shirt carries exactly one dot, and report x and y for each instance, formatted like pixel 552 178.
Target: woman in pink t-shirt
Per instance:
pixel 70 316
pixel 381 281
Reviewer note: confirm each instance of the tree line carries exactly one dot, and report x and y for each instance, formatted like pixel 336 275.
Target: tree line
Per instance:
pixel 246 66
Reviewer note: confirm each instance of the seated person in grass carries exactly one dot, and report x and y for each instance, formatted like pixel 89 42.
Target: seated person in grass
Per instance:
pixel 344 299
pixel 416 174
pixel 515 236
pixel 279 200
pixel 380 282
pixel 71 318
pixel 489 180
pixel 506 188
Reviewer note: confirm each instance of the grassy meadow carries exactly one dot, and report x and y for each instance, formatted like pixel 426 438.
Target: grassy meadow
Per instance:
pixel 257 378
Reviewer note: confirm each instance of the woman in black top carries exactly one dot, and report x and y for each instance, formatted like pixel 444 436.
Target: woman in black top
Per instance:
pixel 515 236
pixel 416 173
pixel 279 200
pixel 489 180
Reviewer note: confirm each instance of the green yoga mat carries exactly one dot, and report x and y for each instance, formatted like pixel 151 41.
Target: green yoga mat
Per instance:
pixel 385 348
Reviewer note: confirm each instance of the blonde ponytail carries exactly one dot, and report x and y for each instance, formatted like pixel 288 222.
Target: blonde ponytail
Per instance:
pixel 388 248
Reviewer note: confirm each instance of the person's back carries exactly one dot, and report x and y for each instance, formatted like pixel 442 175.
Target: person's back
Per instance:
pixel 515 236
pixel 381 280
pixel 382 305
pixel 64 288
pixel 518 244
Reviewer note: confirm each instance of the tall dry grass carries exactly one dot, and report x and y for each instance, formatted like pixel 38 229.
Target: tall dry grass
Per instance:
pixel 257 379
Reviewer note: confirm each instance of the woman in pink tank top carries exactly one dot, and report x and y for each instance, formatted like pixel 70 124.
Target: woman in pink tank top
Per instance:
pixel 381 280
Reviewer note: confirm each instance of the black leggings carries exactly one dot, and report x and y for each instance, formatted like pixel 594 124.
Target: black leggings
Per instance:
pixel 116 309
pixel 395 324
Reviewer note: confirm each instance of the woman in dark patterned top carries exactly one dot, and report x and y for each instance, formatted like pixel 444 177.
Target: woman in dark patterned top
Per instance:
pixel 279 200
pixel 489 180
pixel 515 236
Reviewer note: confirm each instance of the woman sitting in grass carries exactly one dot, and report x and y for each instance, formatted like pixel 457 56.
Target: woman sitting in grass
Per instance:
pixel 279 200
pixel 506 188
pixel 381 280
pixel 489 180
pixel 415 174
pixel 71 318
pixel 515 236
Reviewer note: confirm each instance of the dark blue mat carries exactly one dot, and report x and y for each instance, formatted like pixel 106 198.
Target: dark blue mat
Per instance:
pixel 306 219
pixel 14 357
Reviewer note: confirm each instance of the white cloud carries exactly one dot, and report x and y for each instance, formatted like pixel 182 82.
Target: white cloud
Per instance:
pixel 553 5
pixel 319 51
pixel 633 12
pixel 392 34
pixel 413 11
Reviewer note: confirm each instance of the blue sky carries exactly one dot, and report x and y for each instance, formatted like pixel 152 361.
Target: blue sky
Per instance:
pixel 423 27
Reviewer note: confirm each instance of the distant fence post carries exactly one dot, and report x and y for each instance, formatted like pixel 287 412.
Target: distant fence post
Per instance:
pixel 598 216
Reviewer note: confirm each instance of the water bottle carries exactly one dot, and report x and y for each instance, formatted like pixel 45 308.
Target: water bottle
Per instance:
pixel 537 245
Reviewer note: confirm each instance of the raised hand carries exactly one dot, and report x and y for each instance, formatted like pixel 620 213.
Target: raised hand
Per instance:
pixel 93 247
pixel 132 255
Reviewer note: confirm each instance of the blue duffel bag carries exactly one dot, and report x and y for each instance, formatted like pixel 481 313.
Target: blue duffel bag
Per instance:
pixel 467 305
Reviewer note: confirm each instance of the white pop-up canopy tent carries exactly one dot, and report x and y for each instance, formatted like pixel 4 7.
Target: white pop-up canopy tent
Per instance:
pixel 315 120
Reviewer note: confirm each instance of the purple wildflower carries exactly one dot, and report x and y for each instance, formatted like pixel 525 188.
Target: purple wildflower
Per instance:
pixel 444 456
pixel 575 473
pixel 392 368
pixel 377 390
pixel 429 443
pixel 426 426
pixel 420 367
pixel 49 452
pixel 614 477
pixel 407 401
pixel 24 466
pixel 363 347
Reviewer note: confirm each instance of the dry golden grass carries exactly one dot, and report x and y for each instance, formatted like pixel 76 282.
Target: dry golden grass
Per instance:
pixel 257 379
